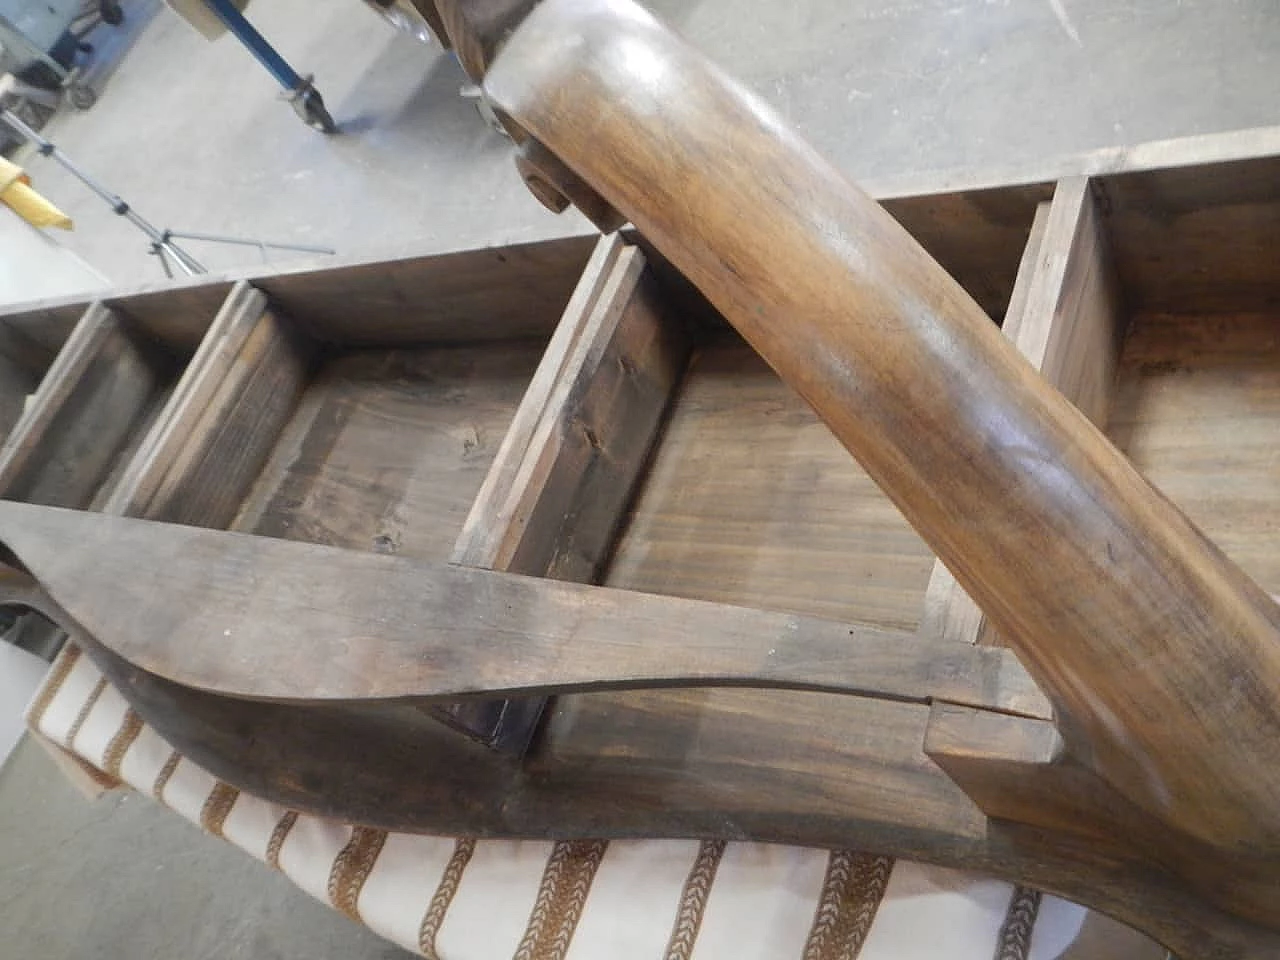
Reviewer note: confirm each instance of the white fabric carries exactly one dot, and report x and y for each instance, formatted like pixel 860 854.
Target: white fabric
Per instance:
pixel 761 905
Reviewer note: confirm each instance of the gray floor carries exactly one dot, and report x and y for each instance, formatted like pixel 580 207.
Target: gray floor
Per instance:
pixel 191 133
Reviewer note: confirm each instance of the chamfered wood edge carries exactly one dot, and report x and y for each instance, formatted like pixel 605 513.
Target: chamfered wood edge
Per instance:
pixel 576 449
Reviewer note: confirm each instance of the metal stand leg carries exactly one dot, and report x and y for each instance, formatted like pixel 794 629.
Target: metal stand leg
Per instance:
pixel 162 244
pixel 300 90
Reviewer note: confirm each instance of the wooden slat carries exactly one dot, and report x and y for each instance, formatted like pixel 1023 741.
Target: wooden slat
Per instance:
pixel 236 318
pixel 594 438
pixel 222 419
pixel 949 612
pixel 1066 318
pixel 486 525
pixel 508 725
pixel 565 473
pixel 1027 272
pixel 81 417
pixel 1074 321
pixel 263 618
pixel 223 452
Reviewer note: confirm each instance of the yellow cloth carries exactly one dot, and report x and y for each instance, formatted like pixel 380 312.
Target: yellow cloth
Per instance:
pixel 16 193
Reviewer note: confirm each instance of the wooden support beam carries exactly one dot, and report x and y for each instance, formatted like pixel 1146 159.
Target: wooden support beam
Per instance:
pixel 560 484
pixel 219 424
pixel 266 619
pixel 1121 608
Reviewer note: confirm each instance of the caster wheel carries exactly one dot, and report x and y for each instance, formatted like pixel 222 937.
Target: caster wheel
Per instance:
pixel 309 106
pixel 82 98
pixel 318 117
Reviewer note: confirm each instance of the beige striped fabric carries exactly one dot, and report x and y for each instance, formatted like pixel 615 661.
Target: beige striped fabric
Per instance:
pixel 449 898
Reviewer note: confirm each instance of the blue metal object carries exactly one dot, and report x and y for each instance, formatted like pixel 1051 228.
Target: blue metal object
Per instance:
pixel 302 94
pixel 256 43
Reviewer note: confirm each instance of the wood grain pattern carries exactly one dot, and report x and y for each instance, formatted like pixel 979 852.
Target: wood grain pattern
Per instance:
pixel 1194 411
pixel 1074 320
pixel 1224 219
pixel 402 297
pixel 1027 272
pixel 750 500
pixel 242 616
pixel 386 448
pixel 235 320
pixel 487 524
pixel 1085 567
pixel 83 414
pixel 586 456
pixel 223 451
pixel 1197 409
pixel 1066 317
pixel 502 293
pixel 1170 203
pixel 976 235
pixel 509 725
pixel 576 448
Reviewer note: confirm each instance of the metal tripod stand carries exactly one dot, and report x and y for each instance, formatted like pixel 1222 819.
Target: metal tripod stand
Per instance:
pixel 162 241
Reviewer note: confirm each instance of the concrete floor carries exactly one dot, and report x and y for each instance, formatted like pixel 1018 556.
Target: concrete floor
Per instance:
pixel 191 134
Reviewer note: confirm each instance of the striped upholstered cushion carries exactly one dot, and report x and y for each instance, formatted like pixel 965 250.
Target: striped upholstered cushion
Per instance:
pixel 464 899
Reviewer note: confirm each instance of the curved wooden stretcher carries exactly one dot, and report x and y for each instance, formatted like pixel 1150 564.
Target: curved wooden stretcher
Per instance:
pixel 1134 766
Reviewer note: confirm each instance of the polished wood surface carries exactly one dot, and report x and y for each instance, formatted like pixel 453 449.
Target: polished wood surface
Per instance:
pixel 1066 316
pixel 476 27
pixel 1121 608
